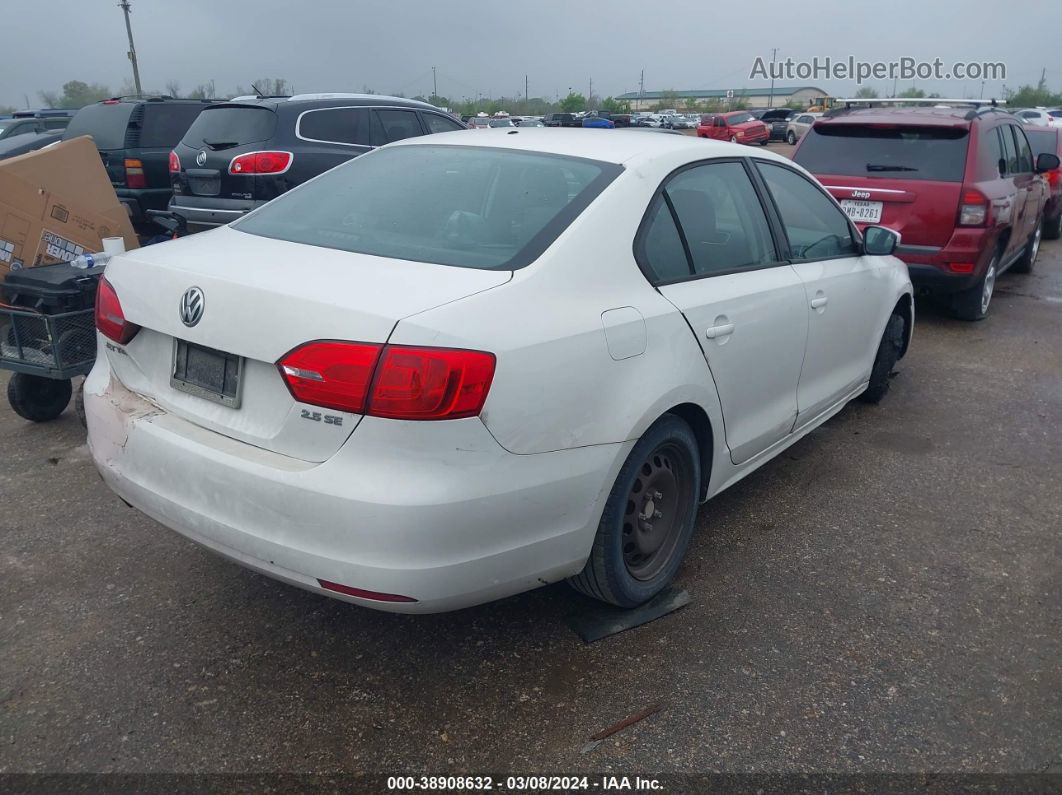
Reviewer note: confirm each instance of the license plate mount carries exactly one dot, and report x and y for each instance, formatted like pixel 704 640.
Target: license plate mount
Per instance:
pixel 862 212
pixel 207 373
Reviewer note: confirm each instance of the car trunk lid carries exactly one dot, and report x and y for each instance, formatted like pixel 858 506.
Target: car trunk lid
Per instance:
pixel 261 300
pixel 219 135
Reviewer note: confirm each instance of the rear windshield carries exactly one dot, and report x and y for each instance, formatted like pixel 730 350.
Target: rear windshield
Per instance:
pixel 473 207
pixel 164 124
pixel 1042 141
pixel 231 125
pixel 105 123
pixel 929 153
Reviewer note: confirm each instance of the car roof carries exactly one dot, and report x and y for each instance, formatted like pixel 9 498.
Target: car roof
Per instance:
pixel 944 117
pixel 332 100
pixel 606 146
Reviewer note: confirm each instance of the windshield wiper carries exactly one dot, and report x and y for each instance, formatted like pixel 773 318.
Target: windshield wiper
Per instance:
pixel 215 145
pixel 877 167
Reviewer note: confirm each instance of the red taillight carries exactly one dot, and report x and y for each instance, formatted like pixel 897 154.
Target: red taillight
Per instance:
pixel 110 102
pixel 134 174
pixel 110 319
pixel 175 163
pixel 961 267
pixel 393 381
pixel 261 163
pixel 333 375
pixel 974 209
pixel 361 593
pixel 430 383
pixel 1054 177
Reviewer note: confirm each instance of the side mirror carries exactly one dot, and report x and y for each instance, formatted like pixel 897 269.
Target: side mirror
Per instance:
pixel 879 241
pixel 1047 162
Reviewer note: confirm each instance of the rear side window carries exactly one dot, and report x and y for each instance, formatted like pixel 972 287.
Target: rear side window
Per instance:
pixel 815 226
pixel 661 246
pixel 231 125
pixel 165 123
pixel 900 152
pixel 472 207
pixel 395 125
pixel 437 123
pixel 105 123
pixel 337 125
pixel 1010 154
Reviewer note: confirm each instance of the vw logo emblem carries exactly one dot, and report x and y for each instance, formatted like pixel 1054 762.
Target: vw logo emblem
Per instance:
pixel 191 307
pixel 200 159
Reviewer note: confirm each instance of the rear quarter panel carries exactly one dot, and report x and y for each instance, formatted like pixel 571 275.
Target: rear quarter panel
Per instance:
pixel 557 386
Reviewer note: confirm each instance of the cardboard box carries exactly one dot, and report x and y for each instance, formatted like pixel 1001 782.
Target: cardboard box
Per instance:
pixel 56 203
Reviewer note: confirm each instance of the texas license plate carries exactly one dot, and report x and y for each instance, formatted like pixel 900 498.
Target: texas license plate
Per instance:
pixel 207 373
pixel 862 212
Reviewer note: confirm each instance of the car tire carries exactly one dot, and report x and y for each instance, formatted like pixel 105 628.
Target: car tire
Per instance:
pixel 973 304
pixel 765 141
pixel 790 138
pixel 1053 229
pixel 1032 249
pixel 888 354
pixel 648 519
pixel 36 398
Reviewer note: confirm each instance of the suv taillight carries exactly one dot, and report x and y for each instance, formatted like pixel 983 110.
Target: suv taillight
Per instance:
pixel 261 163
pixel 175 163
pixel 110 319
pixel 393 381
pixel 134 174
pixel 973 211
pixel 1054 177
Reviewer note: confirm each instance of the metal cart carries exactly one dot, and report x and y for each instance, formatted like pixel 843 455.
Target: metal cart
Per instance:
pixel 45 352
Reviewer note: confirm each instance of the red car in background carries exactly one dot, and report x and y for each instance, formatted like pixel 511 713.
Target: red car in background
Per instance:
pixel 1049 139
pixel 738 127
pixel 961 186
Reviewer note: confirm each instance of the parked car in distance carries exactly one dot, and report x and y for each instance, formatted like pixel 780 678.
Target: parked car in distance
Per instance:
pixel 678 122
pixel 479 122
pixel 1049 141
pixel 134 138
pixel 239 155
pixel 738 127
pixel 649 120
pixel 502 122
pixel 961 187
pixel 599 120
pixel 777 121
pixel 24 122
pixel 561 120
pixel 531 122
pixel 798 125
pixel 356 389
pixel 1037 117
pixel 28 142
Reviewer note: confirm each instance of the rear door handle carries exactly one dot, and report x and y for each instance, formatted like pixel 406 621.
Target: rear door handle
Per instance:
pixel 722 330
pixel 819 301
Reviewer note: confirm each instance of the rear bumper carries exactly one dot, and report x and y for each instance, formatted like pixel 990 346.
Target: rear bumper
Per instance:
pixel 932 267
pixel 438 512
pixel 211 210
pixel 138 201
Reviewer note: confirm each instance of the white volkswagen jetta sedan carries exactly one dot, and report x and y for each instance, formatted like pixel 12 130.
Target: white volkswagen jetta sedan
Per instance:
pixel 464 366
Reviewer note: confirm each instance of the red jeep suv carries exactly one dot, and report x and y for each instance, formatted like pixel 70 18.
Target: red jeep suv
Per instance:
pixel 960 186
pixel 738 127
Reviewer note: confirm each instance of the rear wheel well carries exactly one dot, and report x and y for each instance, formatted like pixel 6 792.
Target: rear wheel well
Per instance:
pixel 697 419
pixel 904 308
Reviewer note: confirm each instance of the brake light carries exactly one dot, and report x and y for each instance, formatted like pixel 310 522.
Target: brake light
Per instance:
pixel 261 163
pixel 974 209
pixel 134 174
pixel 110 319
pixel 175 163
pixel 1054 177
pixel 961 267
pixel 392 381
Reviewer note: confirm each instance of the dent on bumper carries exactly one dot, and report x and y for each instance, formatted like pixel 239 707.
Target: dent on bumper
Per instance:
pixel 434 511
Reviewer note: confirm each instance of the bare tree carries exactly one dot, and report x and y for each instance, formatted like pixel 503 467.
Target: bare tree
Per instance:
pixel 173 88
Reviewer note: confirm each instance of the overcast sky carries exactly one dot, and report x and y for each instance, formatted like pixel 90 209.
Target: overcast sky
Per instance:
pixel 487 46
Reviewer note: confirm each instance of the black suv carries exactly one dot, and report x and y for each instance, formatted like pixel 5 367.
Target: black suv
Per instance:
pixel 240 154
pixel 562 120
pixel 23 122
pixel 134 137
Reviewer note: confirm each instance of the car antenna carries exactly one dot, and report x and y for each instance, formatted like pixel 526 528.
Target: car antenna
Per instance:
pixel 257 90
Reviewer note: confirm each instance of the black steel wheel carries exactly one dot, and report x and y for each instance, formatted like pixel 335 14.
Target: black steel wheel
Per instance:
pixel 38 399
pixel 648 519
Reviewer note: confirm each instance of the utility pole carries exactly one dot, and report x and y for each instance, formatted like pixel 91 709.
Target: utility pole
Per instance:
pixel 774 56
pixel 434 85
pixel 982 89
pixel 124 5
pixel 590 98
pixel 527 97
